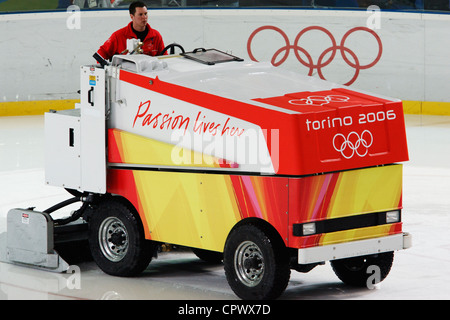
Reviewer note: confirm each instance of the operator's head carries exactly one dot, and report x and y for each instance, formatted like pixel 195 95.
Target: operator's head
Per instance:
pixel 138 15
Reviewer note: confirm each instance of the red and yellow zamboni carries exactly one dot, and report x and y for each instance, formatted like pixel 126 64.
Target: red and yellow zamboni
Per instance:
pixel 260 167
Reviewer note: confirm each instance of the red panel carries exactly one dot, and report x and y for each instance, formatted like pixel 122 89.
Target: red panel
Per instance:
pixel 265 198
pixel 342 129
pixel 319 101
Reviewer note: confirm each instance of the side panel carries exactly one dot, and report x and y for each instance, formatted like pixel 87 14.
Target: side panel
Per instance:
pixel 344 194
pixel 93 141
pixel 75 139
pixel 62 149
pixel 198 209
pixel 189 125
pixel 132 149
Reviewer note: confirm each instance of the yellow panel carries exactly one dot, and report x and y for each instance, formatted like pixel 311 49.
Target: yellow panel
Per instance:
pixel 141 150
pixel 368 190
pixel 195 210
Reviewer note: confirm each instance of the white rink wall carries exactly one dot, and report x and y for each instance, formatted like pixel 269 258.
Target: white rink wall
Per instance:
pixel 403 55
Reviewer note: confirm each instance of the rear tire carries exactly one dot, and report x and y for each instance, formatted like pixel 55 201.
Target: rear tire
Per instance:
pixel 117 241
pixel 256 263
pixel 354 271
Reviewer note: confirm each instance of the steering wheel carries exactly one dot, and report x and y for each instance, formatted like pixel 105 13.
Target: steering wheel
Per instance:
pixel 172 47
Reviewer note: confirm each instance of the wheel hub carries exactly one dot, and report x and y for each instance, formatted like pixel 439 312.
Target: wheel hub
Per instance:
pixel 252 262
pixel 113 239
pixel 118 238
pixel 249 263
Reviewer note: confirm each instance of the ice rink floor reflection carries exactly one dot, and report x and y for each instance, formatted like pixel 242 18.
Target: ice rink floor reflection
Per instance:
pixel 420 272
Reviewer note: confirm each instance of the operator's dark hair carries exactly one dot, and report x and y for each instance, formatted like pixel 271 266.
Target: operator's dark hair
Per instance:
pixel 134 5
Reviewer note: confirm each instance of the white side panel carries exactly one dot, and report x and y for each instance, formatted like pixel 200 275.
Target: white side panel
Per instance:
pixel 185 125
pixel 93 142
pixel 62 149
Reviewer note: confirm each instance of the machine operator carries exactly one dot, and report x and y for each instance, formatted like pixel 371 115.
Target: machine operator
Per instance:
pixel 138 28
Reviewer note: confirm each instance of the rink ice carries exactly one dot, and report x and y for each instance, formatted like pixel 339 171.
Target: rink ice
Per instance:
pixel 420 272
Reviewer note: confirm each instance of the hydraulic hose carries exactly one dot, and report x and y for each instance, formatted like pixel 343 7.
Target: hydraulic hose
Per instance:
pixel 76 214
pixel 62 204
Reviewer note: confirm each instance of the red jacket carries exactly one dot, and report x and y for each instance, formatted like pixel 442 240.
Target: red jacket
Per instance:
pixel 117 43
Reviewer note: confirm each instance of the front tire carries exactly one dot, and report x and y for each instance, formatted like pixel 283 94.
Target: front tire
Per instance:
pixel 256 263
pixel 117 241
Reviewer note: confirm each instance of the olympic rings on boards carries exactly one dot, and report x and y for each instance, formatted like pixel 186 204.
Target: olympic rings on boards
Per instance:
pixel 321 62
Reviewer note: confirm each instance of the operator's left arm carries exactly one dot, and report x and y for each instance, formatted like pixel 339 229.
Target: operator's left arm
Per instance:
pixel 107 50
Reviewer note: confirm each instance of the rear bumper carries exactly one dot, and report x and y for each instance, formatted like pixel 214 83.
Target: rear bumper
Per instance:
pixel 354 248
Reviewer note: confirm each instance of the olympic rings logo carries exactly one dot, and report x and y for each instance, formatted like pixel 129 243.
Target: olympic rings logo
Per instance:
pixel 322 62
pixel 353 144
pixel 319 100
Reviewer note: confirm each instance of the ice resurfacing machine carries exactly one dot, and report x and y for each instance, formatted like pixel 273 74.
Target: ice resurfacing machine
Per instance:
pixel 261 168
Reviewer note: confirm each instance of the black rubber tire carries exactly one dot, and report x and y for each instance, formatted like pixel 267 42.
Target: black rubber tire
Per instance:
pixel 260 252
pixel 127 232
pixel 354 271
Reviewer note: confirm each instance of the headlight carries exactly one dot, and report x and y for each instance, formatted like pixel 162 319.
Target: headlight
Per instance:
pixel 309 228
pixel 393 216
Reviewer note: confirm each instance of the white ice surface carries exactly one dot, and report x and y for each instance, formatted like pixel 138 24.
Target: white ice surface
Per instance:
pixel 420 272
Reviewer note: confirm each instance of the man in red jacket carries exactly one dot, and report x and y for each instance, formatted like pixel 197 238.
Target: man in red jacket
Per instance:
pixel 138 28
